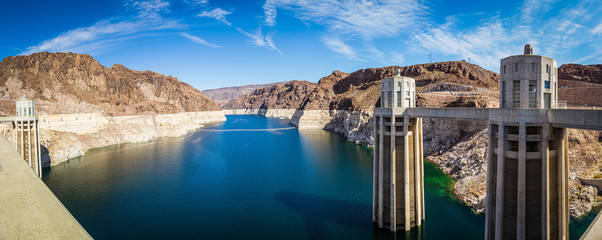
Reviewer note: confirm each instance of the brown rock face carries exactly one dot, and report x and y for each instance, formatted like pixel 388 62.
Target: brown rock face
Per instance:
pixel 287 95
pixel 580 84
pixel 223 95
pixel 582 73
pixel 69 82
pixel 360 90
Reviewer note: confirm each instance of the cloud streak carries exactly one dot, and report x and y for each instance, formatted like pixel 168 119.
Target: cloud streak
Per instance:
pixel 361 20
pixel 199 40
pixel 217 14
pixel 561 35
pixel 147 19
pixel 258 39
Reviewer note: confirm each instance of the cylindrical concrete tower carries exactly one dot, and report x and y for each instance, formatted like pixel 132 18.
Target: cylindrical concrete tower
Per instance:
pixel 26 136
pixel 398 193
pixel 527 176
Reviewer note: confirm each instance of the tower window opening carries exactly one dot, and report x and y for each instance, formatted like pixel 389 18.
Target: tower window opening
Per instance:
pixel 389 99
pixel 547 84
pixel 547 68
pixel 532 67
pixel 504 68
pixel 516 67
pixel 532 93
pixel 399 98
pixel 532 147
pixel 533 130
pixel 516 93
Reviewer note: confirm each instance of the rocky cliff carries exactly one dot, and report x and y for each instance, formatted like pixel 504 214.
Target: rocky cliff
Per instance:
pixel 288 95
pixel 581 73
pixel 127 105
pixel 580 84
pixel 223 95
pixel 69 82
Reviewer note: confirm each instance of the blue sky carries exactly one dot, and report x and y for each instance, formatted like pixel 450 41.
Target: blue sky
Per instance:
pixel 211 43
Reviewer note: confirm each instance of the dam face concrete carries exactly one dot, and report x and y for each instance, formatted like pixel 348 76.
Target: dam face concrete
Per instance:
pixel 398 184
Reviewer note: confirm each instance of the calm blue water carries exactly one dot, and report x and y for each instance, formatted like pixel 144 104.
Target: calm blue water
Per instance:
pixel 213 184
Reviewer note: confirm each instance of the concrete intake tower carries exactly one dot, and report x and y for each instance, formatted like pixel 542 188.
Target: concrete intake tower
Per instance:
pixel 398 194
pixel 527 176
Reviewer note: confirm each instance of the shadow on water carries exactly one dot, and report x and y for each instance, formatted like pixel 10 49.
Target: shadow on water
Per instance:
pixel 318 211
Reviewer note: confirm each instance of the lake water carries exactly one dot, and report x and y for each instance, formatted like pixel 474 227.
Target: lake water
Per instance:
pixel 224 182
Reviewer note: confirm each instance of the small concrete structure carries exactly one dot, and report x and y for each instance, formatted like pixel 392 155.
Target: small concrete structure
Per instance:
pixel 29 209
pixel 26 134
pixel 398 184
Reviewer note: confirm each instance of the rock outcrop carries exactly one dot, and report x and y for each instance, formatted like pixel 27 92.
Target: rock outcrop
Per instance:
pixel 223 95
pixel 69 82
pixel 580 84
pixel 286 95
pixel 581 73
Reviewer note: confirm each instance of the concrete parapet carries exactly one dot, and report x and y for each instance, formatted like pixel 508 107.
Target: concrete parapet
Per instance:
pixel 29 209
pixel 576 118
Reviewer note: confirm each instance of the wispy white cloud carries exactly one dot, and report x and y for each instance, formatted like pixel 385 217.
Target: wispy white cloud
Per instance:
pixel 196 3
pixel 270 42
pixel 108 33
pixel 269 11
pixel 361 20
pixel 258 39
pixel 217 14
pixel 481 45
pixel 340 47
pixel 561 35
pixel 533 8
pixel 597 30
pixel 396 58
pixel 199 40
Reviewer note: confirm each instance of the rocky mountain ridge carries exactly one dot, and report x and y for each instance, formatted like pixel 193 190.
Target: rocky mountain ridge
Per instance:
pixel 288 95
pixel 70 83
pixel 223 95
pixel 116 104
